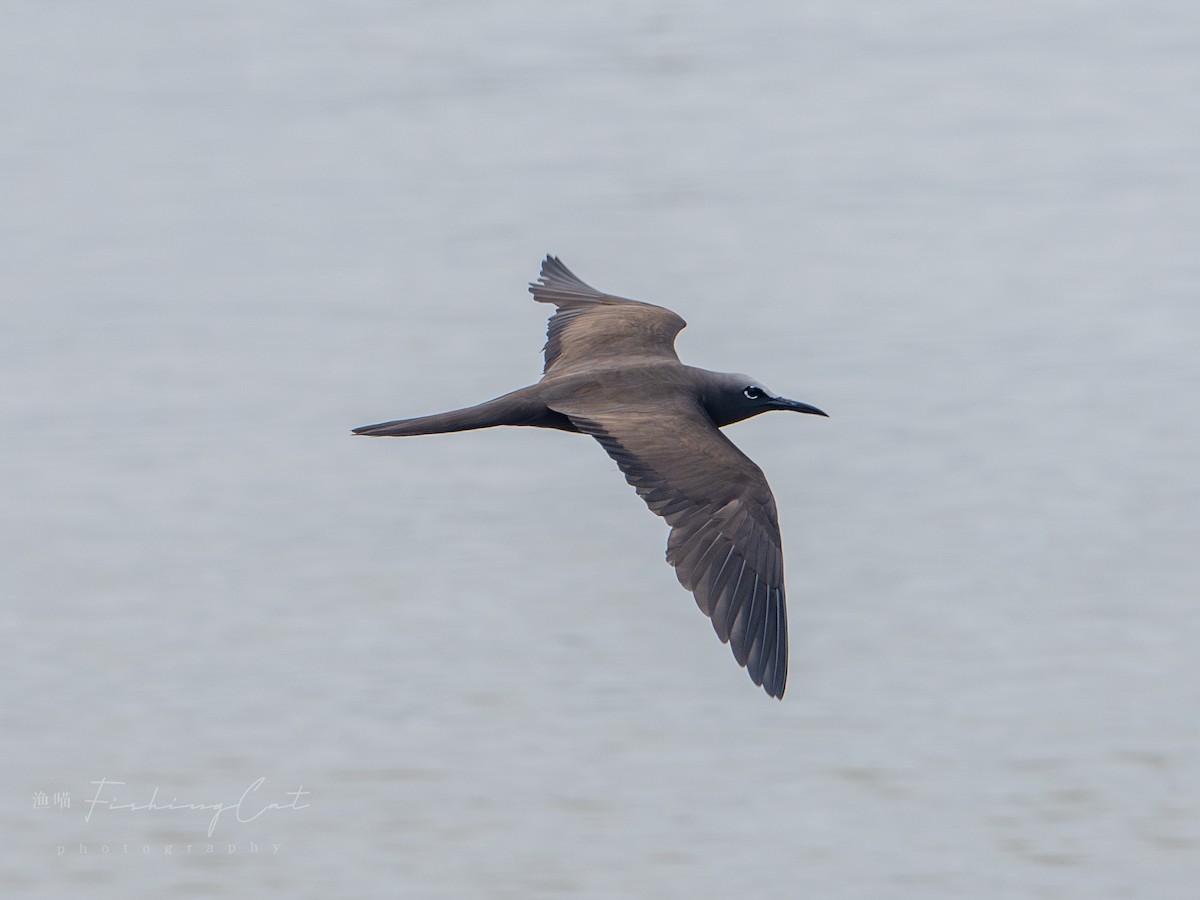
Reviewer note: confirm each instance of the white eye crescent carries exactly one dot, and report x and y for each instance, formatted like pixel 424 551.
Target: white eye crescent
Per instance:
pixel 752 393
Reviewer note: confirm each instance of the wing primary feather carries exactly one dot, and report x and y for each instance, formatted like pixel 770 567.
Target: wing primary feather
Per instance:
pixel 745 598
pixel 715 573
pixel 740 637
pixel 692 567
pixel 775 651
pixel 781 646
pixel 727 599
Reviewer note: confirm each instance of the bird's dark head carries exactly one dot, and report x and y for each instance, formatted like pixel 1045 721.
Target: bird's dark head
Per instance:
pixel 732 398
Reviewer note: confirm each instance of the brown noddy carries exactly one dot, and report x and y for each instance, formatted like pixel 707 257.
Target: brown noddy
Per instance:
pixel 611 372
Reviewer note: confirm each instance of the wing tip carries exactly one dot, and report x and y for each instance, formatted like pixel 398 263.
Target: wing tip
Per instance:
pixel 555 274
pixel 774 683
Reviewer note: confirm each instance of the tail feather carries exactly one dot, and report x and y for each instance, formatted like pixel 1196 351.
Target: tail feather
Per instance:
pixel 518 408
pixel 456 420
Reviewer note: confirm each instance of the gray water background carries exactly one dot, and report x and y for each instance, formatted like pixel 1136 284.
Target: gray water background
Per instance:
pixel 229 232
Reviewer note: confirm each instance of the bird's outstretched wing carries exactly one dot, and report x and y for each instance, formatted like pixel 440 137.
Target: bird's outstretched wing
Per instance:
pixel 724 542
pixel 614 325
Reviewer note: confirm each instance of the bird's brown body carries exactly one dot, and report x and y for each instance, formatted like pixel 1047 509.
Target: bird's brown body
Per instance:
pixel 611 372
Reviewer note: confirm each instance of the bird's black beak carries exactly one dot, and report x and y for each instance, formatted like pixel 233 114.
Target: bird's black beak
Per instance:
pixel 797 406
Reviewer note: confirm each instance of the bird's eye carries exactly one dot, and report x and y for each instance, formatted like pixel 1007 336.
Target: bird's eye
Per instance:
pixel 752 392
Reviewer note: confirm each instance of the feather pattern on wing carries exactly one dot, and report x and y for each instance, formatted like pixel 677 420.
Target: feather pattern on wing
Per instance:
pixel 724 542
pixel 614 325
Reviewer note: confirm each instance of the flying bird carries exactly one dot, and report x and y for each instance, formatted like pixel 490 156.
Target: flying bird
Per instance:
pixel 611 372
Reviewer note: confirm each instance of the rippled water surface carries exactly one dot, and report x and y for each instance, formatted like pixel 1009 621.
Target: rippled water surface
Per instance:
pixel 457 666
